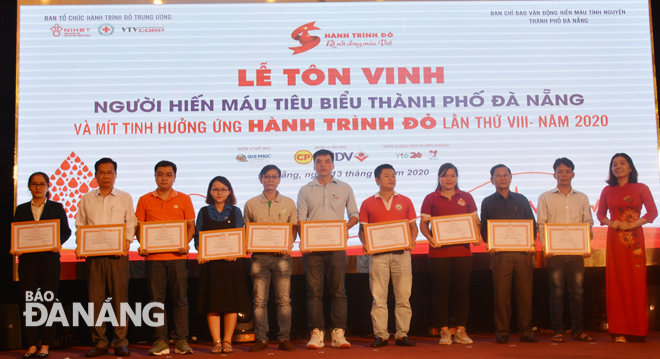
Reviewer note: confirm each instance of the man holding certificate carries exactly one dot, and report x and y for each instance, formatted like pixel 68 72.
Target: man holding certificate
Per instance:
pixel 170 268
pixel 388 206
pixel 271 207
pixel 563 204
pixel 107 206
pixel 325 199
pixel 509 265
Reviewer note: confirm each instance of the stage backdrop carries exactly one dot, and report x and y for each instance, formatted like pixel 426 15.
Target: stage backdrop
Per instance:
pixel 224 89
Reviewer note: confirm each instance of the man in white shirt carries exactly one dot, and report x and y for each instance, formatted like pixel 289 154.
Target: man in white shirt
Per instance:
pixel 563 204
pixel 107 205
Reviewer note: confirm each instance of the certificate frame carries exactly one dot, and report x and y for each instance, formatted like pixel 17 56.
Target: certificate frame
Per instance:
pixel 253 247
pixel 178 226
pixel 118 229
pixel 435 229
pixel 520 224
pixel 551 229
pixel 372 228
pixel 307 244
pixel 52 226
pixel 205 238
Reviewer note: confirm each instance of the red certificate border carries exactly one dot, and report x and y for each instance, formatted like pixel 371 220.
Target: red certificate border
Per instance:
pixel 305 225
pixel 373 249
pixel 466 216
pixel 527 223
pixel 204 236
pixel 144 241
pixel 582 227
pixel 250 227
pixel 54 225
pixel 83 230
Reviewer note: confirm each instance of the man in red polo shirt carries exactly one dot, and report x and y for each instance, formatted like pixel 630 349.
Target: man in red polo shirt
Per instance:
pixel 168 269
pixel 385 206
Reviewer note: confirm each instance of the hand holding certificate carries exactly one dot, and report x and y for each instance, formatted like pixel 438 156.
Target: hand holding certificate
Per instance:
pixel 102 240
pixel 227 244
pixel 454 229
pixel 269 237
pixel 387 236
pixel 323 236
pixel 35 236
pixel 511 235
pixel 567 239
pixel 163 236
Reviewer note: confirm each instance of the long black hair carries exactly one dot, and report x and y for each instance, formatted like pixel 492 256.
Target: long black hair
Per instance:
pixel 632 176
pixel 231 199
pixel 443 169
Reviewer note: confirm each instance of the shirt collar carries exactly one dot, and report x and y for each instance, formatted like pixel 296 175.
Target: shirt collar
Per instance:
pixel 227 207
pixel 41 205
pixel 316 182
pixel 438 193
pixel 556 190
pixel 98 192
pixel 377 195
pixel 172 195
pixel 265 200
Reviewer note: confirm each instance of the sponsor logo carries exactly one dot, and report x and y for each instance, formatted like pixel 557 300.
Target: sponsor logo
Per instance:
pixel 303 157
pixel 347 156
pixel 58 30
pixel 409 155
pixel 433 154
pixel 106 29
pixel 143 29
pixel 361 156
pixel 307 41
pixel 241 158
pixel 253 158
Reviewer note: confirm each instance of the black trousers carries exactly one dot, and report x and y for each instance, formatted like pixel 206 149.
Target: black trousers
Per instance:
pixel 39 271
pixel 451 278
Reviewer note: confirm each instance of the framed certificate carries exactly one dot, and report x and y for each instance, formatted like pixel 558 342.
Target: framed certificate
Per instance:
pixel 456 229
pixel 35 236
pixel 567 238
pixel 511 234
pixel 387 236
pixel 268 237
pixel 222 243
pixel 102 240
pixel 163 236
pixel 323 235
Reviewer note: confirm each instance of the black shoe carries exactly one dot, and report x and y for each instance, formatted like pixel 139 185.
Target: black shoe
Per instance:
pixel 96 352
pixel 122 352
pixel 502 339
pixel 404 342
pixel 286 346
pixel 529 339
pixel 259 346
pixel 43 355
pixel 30 355
pixel 379 343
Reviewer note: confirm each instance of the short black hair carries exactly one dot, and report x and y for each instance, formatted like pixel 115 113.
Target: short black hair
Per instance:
pixel 492 170
pixel 443 169
pixel 45 176
pixel 268 168
pixel 165 164
pixel 565 161
pixel 632 177
pixel 380 169
pixel 231 199
pixel 324 153
pixel 104 160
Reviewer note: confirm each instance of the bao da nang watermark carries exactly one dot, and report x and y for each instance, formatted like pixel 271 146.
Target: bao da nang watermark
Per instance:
pixel 34 308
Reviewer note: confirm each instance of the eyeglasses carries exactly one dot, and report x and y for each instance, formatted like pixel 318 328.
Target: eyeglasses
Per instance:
pixel 270 177
pixel 38 185
pixel 220 190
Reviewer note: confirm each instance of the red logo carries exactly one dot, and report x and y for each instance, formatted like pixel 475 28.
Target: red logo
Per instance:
pixel 57 30
pixel 70 182
pixel 307 41
pixel 361 156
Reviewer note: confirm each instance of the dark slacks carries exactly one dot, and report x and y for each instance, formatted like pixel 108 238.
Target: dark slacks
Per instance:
pixel 326 268
pixel 107 277
pixel 172 274
pixel 451 277
pixel 509 267
pixel 39 271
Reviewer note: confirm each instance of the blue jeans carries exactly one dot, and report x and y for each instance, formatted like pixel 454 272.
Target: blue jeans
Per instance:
pixel 172 274
pixel 330 266
pixel 279 267
pixel 570 268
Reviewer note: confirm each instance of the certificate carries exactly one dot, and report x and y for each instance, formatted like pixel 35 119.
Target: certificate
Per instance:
pixel 511 234
pixel 387 236
pixel 456 229
pixel 102 240
pixel 222 243
pixel 323 235
pixel 567 238
pixel 163 236
pixel 35 236
pixel 268 237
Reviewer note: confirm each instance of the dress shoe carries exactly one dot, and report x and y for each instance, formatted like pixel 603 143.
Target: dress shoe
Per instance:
pixel 30 355
pixel 502 339
pixel 122 352
pixel 96 352
pixel 379 343
pixel 43 355
pixel 404 342
pixel 529 339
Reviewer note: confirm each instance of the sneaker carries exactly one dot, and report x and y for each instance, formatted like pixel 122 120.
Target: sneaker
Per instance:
pixel 620 339
pixel 182 347
pixel 286 346
pixel 316 341
pixel 259 346
pixel 462 337
pixel 338 339
pixel 160 348
pixel 445 337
